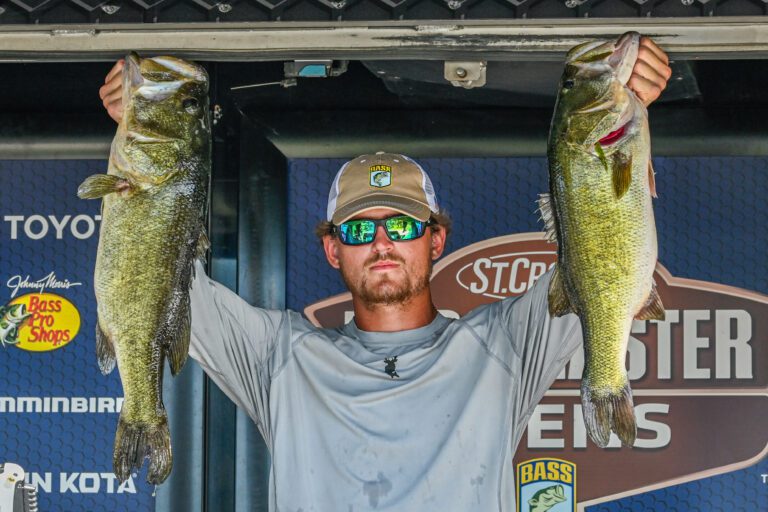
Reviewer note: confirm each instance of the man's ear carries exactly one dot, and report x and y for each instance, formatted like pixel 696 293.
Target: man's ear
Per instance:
pixel 438 241
pixel 331 248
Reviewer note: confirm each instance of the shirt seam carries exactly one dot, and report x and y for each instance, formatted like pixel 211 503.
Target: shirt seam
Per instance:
pixel 288 359
pixel 485 346
pixel 556 369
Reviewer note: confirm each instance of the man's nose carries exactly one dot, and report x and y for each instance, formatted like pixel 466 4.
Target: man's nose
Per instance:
pixel 381 242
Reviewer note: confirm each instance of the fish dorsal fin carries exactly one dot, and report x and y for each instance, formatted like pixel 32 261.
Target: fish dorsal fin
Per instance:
pixel 203 244
pixel 559 304
pixel 653 309
pixel 547 213
pixel 622 173
pixel 105 351
pixel 652 179
pixel 99 185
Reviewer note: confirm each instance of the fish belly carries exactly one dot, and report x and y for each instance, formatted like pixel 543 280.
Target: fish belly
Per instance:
pixel 607 255
pixel 143 265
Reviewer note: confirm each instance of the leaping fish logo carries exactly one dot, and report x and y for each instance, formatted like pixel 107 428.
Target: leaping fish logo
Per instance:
pixel 379 178
pixel 11 317
pixel 381 175
pixel 546 498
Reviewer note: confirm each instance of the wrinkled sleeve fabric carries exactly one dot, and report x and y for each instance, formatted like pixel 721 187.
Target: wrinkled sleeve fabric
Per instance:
pixel 233 342
pixel 542 344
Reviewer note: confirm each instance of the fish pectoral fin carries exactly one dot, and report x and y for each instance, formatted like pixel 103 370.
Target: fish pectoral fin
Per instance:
pixel 559 304
pixel 99 185
pixel 601 155
pixel 651 179
pixel 653 308
pixel 105 351
pixel 547 213
pixel 622 174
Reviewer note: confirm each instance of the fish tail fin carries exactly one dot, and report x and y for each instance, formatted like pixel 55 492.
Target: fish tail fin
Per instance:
pixel 99 185
pixel 606 411
pixel 105 351
pixel 136 441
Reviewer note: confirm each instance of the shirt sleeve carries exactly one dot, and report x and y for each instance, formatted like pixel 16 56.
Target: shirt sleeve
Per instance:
pixel 233 342
pixel 542 344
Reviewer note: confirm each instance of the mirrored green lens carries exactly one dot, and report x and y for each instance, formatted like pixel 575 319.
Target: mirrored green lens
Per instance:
pixel 404 228
pixel 356 232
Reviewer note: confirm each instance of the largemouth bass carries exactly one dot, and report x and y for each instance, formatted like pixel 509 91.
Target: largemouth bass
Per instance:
pixel 153 212
pixel 599 212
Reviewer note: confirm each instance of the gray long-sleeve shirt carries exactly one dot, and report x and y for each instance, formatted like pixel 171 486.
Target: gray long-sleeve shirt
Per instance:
pixel 345 436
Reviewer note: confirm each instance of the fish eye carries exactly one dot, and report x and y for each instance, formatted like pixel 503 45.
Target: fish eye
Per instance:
pixel 190 105
pixel 567 84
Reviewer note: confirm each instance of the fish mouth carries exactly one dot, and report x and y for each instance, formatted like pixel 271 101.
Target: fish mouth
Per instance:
pixel 18 313
pixel 145 137
pixel 624 56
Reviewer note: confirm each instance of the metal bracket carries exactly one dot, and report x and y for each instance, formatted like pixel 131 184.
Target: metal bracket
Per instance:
pixel 465 74
pixel 314 68
pixel 293 70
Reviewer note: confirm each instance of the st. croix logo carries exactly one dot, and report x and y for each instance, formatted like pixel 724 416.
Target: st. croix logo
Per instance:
pixel 546 484
pixel 39 322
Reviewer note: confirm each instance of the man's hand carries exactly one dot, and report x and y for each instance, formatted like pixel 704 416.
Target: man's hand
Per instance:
pixel 651 72
pixel 111 93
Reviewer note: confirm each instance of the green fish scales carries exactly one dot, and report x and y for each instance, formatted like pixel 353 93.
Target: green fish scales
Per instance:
pixel 600 213
pixel 153 212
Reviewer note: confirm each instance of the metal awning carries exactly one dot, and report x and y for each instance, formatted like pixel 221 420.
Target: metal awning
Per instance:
pixel 514 39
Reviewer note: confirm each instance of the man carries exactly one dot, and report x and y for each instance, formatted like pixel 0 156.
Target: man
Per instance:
pixel 402 409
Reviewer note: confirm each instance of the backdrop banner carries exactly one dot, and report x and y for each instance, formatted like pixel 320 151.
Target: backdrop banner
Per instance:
pixel 58 414
pixel 699 378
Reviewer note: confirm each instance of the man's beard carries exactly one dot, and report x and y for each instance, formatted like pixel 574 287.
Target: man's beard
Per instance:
pixel 388 292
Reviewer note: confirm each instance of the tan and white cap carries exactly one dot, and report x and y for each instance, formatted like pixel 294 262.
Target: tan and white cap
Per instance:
pixel 383 180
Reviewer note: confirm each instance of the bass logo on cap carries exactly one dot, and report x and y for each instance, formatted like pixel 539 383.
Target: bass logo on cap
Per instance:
pixel 546 484
pixel 381 175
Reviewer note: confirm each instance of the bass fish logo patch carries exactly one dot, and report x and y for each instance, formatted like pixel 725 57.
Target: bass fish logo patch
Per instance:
pixel 381 175
pixel 545 485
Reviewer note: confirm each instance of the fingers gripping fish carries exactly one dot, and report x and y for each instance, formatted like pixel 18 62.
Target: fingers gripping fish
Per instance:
pixel 153 211
pixel 600 214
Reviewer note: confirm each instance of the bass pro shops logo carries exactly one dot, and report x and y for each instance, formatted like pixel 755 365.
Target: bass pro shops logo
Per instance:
pixel 38 322
pixel 381 175
pixel 546 484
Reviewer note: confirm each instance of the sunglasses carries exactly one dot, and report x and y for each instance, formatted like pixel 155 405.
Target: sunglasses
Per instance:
pixel 399 228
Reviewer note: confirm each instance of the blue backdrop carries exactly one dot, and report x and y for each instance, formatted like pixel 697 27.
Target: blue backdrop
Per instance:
pixel 712 222
pixel 70 454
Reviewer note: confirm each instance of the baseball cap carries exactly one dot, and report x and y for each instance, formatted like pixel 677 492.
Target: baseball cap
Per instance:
pixel 383 180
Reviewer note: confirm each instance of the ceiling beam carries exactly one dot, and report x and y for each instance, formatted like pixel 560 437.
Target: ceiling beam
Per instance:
pixel 513 39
